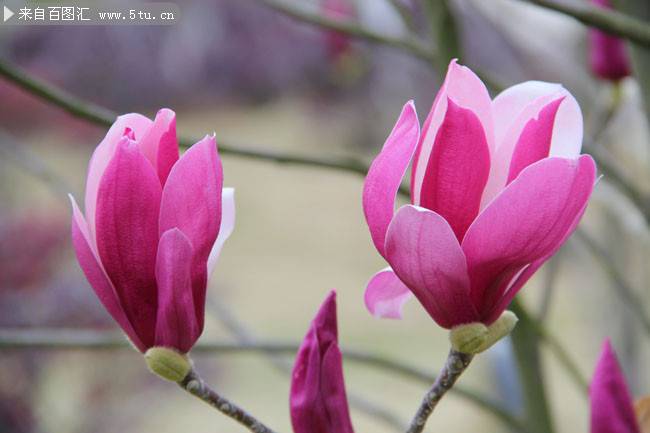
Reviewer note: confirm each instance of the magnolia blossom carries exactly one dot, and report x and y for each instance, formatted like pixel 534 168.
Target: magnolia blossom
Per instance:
pixel 337 43
pixel 497 186
pixel 318 400
pixel 608 57
pixel 611 403
pixel 153 228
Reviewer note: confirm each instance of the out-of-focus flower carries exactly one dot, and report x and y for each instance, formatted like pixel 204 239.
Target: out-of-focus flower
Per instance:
pixel 608 56
pixel 497 186
pixel 153 228
pixel 318 401
pixel 338 44
pixel 611 403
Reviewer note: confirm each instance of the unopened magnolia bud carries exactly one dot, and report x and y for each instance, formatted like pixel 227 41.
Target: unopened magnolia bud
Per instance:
pixel 168 363
pixel 473 338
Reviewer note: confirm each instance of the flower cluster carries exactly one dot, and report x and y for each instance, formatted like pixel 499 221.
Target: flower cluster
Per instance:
pixel 497 186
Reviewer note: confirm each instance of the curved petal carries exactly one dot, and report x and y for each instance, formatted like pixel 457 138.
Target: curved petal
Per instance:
pixel 535 140
pixel 176 323
pixel 424 253
pixel 226 229
pixel 513 109
pixel 511 102
pixel 611 403
pixel 128 205
pixel 102 156
pixel 458 169
pixel 191 201
pixel 386 173
pixel 526 222
pixel 468 91
pixel 386 295
pixel 94 272
pixel 160 144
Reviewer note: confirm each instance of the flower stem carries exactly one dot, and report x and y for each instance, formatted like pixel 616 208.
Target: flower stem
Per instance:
pixel 198 388
pixel 456 363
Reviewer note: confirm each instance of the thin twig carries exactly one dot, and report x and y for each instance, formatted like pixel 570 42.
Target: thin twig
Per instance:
pixel 611 21
pixel 196 386
pixel 103 117
pixel 409 44
pixel 244 335
pixel 456 363
pixel 74 339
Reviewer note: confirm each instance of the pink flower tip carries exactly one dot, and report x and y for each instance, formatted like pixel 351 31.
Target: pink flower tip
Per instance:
pixel 612 410
pixel 318 401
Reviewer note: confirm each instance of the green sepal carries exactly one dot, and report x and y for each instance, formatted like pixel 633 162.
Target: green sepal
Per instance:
pixel 473 338
pixel 168 363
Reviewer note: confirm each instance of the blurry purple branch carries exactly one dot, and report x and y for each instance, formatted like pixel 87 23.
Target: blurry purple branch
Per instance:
pixel 103 117
pixel 409 43
pixel 75 339
pixel 244 335
pixel 456 363
pixel 613 22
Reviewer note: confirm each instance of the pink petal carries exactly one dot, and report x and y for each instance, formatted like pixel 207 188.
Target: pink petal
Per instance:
pixel 525 223
pixel 191 201
pixel 128 205
pixel 386 295
pixel 513 109
pixel 318 399
pixel 511 288
pixel 94 272
pixel 386 173
pixel 458 169
pixel 226 229
pixel 535 140
pixel 333 392
pixel 160 144
pixel 424 253
pixel 103 154
pixel 176 323
pixel 611 403
pixel 468 91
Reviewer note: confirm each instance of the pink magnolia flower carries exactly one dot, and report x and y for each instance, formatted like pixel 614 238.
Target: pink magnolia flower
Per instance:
pixel 153 229
pixel 612 410
pixel 338 44
pixel 608 57
pixel 497 186
pixel 318 401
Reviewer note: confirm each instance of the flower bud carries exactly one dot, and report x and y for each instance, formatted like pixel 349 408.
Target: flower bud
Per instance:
pixel 168 363
pixel 473 338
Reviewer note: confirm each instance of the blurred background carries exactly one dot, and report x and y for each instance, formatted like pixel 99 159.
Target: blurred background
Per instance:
pixel 261 80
